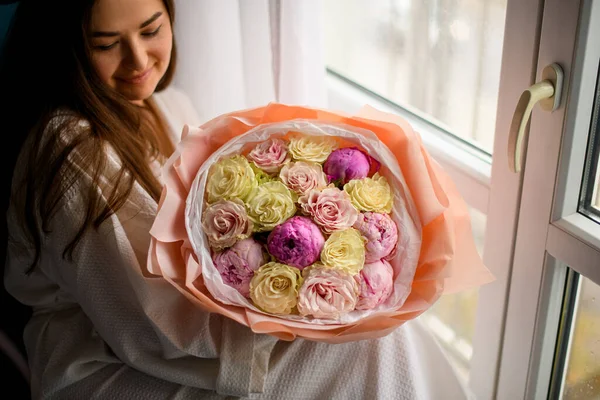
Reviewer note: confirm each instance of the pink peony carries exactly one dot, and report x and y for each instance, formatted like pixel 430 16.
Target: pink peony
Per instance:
pixel 349 163
pixel 270 155
pixel 303 176
pixel 330 208
pixel 225 222
pixel 381 234
pixel 296 242
pixel 375 281
pixel 238 263
pixel 327 293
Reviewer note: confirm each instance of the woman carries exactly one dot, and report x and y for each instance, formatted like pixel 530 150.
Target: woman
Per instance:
pixel 87 84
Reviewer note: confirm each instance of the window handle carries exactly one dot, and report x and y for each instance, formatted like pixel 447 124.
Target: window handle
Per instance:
pixel 547 92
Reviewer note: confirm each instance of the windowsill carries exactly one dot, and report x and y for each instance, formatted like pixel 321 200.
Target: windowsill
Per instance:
pixel 469 169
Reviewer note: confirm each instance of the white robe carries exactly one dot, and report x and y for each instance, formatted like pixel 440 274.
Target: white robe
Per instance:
pixel 102 329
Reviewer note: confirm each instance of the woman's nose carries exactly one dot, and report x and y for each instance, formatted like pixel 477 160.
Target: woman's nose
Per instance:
pixel 136 57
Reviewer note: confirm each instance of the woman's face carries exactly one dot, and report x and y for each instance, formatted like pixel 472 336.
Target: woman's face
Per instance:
pixel 131 43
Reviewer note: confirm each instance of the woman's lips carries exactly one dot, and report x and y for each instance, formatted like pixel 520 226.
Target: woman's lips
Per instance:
pixel 137 79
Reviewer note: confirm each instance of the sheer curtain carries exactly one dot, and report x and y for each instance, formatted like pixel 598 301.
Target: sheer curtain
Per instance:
pixel 236 54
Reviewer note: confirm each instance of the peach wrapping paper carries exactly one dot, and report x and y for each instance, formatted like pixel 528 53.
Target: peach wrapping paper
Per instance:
pixel 448 260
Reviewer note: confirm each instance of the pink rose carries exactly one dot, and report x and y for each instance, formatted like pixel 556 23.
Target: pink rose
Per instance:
pixel 238 263
pixel 381 233
pixel 303 176
pixel 327 293
pixel 330 208
pixel 270 155
pixel 375 281
pixel 225 222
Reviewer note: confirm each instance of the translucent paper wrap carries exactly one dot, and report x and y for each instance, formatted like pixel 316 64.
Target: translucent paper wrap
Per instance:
pixel 404 212
pixel 436 252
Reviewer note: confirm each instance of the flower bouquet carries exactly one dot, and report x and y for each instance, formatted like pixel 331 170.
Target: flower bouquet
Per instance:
pixel 300 222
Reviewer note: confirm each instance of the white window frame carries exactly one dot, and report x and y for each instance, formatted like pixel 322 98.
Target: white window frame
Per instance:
pixel 551 233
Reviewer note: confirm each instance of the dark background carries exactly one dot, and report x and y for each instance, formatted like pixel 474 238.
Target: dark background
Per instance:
pixel 14 314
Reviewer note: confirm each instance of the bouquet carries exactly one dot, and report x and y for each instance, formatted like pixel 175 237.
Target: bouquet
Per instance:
pixel 302 222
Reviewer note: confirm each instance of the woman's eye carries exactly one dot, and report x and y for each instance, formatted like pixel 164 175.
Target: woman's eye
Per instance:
pixel 153 33
pixel 106 46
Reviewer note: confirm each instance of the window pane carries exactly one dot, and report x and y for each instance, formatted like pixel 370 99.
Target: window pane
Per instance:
pixel 591 182
pixel 595 202
pixel 438 58
pixel 582 374
pixel 452 318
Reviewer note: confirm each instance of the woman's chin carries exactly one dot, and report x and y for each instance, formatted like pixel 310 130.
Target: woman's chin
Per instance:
pixel 137 93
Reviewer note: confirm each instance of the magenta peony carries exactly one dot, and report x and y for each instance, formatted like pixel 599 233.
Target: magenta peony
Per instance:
pixel 225 222
pixel 330 208
pixel 327 293
pixel 375 282
pixel 297 242
pixel 270 155
pixel 238 263
pixel 349 163
pixel 381 234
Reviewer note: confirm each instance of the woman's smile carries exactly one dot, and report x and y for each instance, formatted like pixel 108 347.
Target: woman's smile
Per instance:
pixel 137 79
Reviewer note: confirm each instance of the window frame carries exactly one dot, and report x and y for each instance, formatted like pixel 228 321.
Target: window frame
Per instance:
pixel 552 236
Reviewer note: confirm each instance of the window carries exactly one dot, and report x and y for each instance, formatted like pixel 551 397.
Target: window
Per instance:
pixel 436 63
pixel 439 59
pixel 581 377
pixel 439 64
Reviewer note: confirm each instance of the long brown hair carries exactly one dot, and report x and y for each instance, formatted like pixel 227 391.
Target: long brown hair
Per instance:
pixel 45 67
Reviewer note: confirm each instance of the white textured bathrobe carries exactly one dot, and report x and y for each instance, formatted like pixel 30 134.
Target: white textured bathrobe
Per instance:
pixel 103 329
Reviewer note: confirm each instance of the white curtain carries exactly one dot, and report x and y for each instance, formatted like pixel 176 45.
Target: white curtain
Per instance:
pixel 236 54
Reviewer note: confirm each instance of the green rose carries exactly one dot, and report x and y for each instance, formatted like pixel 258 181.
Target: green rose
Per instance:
pixel 230 178
pixel 260 175
pixel 269 205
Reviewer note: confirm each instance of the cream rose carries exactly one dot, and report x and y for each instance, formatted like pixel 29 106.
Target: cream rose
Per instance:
pixel 225 222
pixel 230 178
pixel 327 293
pixel 269 205
pixel 274 288
pixel 330 208
pixel 303 176
pixel 370 194
pixel 344 250
pixel 312 149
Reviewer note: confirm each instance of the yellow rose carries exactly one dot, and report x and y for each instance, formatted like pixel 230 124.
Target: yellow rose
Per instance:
pixel 344 250
pixel 370 194
pixel 311 149
pixel 269 205
pixel 230 178
pixel 274 287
